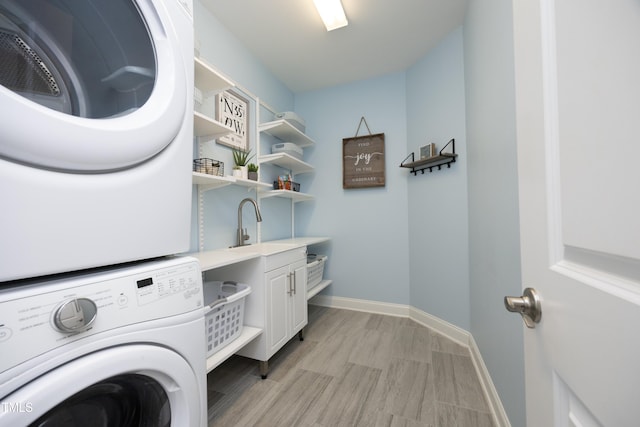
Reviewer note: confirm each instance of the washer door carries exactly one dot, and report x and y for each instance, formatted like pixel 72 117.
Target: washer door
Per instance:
pixel 92 85
pixel 128 386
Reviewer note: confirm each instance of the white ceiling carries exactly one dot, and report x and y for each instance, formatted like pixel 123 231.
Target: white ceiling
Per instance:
pixel 383 36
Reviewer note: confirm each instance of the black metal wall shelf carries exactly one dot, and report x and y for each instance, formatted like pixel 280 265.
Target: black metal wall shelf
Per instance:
pixel 438 161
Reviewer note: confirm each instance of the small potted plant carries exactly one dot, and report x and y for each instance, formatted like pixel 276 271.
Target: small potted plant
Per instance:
pixel 241 159
pixel 253 171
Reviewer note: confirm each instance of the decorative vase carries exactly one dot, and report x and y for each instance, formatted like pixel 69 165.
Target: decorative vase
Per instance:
pixel 245 172
pixel 253 176
pixel 237 173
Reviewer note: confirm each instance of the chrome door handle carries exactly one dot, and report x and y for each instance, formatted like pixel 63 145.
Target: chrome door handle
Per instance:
pixel 528 305
pixel 293 277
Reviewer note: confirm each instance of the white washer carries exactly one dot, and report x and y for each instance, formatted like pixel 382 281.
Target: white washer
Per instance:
pixel 96 133
pixel 141 357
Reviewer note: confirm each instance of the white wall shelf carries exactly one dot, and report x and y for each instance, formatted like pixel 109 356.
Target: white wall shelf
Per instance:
pixel 286 161
pixel 287 194
pixel 260 186
pixel 209 80
pixel 247 335
pixel 286 132
pixel 318 288
pixel 211 182
pixel 206 126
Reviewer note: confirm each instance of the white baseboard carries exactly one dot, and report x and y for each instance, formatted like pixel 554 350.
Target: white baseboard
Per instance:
pixel 389 309
pixel 499 414
pixel 447 329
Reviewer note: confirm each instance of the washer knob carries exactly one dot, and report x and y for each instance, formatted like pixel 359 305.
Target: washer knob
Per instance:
pixel 75 315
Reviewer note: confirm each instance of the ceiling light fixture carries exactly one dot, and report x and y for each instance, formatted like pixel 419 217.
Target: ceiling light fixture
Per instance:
pixel 332 13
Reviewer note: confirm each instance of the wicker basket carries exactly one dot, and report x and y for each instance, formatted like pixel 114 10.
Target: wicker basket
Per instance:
pixel 315 270
pixel 224 317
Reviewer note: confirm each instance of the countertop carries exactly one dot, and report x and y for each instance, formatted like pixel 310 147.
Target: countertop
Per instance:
pixel 210 260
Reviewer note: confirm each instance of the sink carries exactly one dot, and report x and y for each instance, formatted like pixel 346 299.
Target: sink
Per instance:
pixel 267 248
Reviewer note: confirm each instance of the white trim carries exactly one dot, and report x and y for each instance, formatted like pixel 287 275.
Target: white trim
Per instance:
pixel 389 309
pixel 497 410
pixel 442 327
pixel 552 130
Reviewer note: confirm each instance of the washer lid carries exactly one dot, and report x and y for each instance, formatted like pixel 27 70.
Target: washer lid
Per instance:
pixel 103 86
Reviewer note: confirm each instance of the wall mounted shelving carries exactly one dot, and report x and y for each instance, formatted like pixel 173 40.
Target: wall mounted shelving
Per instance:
pixel 212 182
pixel 209 80
pixel 438 161
pixel 295 196
pixel 285 131
pixel 286 161
pixel 206 126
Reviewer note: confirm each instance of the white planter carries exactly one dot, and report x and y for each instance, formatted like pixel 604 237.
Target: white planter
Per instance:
pixel 243 172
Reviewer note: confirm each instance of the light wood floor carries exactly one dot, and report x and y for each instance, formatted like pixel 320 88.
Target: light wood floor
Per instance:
pixel 353 369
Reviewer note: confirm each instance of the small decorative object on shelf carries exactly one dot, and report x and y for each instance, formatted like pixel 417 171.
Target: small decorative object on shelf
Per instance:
pixel 240 160
pixel 253 171
pixel 443 158
pixel 427 151
pixel 208 166
pixel 284 182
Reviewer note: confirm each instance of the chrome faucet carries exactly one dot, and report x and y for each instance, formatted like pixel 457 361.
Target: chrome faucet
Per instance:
pixel 242 234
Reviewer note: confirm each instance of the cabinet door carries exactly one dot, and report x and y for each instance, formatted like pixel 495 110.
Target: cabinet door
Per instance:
pixel 277 283
pixel 298 300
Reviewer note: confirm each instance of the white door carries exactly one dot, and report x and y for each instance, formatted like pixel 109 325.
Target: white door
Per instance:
pixel 577 67
pixel 277 282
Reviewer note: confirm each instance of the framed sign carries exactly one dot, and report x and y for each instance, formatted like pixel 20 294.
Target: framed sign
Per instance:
pixel 232 110
pixel 427 151
pixel 363 161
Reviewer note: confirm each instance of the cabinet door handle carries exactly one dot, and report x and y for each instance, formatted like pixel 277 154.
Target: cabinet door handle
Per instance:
pixel 293 276
pixel 290 291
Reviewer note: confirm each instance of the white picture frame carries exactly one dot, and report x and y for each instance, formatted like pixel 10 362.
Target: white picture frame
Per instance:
pixel 232 110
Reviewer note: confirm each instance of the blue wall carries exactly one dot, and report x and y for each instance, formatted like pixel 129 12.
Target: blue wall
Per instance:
pixel 369 255
pixel 437 209
pixel 494 241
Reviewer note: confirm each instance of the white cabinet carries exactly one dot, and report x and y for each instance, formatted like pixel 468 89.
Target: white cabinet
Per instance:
pixel 278 303
pixel 286 303
pixel 283 309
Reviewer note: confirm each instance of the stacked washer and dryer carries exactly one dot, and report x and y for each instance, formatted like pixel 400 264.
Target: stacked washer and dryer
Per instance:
pixel 99 323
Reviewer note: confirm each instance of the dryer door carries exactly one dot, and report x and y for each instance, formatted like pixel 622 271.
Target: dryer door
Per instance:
pixel 92 85
pixel 135 385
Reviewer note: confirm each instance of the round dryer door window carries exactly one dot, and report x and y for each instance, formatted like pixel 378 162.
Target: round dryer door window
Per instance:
pixel 92 85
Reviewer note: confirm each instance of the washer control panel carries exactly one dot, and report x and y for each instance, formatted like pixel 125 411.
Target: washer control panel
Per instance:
pixel 40 317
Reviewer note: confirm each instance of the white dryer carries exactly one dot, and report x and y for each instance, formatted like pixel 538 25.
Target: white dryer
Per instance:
pixel 96 133
pixel 118 347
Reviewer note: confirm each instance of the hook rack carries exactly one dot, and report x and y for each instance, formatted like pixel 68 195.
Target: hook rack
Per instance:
pixel 438 161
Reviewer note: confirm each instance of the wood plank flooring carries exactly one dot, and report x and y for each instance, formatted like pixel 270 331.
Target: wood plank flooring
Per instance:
pixel 353 369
